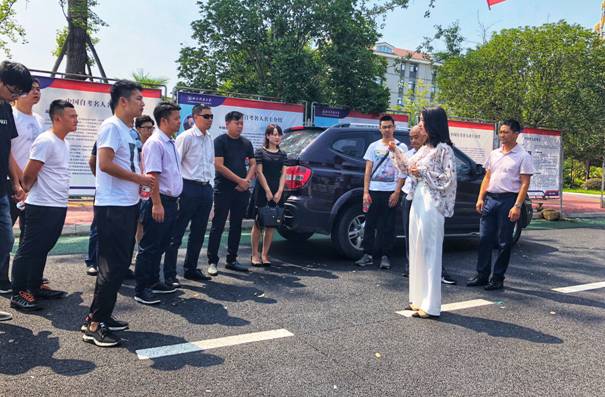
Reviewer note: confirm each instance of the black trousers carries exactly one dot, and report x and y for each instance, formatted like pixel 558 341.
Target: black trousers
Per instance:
pixel 495 230
pixel 234 204
pixel 155 241
pixel 379 229
pixel 116 228
pixel 195 205
pixel 41 230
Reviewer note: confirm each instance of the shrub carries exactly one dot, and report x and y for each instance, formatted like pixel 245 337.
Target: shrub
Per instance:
pixel 592 184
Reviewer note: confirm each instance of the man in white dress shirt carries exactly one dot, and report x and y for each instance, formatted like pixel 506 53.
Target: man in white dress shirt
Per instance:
pixel 503 191
pixel 196 149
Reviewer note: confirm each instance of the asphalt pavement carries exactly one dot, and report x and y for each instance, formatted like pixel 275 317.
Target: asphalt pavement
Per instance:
pixel 315 325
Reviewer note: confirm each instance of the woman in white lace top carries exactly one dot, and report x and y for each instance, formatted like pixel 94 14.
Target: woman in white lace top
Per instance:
pixel 433 189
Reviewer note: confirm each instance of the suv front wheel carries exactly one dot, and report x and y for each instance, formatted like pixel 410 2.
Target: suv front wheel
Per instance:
pixel 347 233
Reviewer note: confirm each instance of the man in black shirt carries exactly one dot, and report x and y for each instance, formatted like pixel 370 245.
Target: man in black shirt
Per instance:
pixel 15 80
pixel 232 153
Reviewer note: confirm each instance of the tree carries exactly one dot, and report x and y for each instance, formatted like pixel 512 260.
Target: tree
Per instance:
pixel 416 100
pixel 148 81
pixel 76 41
pixel 551 75
pixel 9 28
pixel 292 49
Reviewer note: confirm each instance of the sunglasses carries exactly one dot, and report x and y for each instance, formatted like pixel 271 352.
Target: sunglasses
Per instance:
pixel 207 116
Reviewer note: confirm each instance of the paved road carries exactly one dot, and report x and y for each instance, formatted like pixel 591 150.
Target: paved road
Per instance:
pixel 347 338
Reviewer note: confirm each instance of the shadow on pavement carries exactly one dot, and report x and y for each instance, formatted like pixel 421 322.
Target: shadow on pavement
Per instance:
pixel 499 329
pixel 21 351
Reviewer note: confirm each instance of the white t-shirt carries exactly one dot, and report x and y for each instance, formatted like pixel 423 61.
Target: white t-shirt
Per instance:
pixel 112 191
pixel 51 189
pixel 28 128
pixel 386 175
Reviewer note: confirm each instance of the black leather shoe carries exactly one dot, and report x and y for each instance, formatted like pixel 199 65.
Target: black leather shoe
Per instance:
pixel 477 281
pixel 235 265
pixel 494 285
pixel 196 275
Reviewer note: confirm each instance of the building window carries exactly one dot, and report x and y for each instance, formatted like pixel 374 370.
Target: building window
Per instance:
pixel 385 49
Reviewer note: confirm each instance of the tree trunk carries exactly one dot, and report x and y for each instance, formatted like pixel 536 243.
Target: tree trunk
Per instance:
pixel 587 172
pixel 77 11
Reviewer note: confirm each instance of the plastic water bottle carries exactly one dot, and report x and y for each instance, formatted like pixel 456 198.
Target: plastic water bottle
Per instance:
pixel 144 192
pixel 365 208
pixel 20 205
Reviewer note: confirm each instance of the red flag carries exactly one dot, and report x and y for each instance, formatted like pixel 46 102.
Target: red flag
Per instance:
pixel 490 3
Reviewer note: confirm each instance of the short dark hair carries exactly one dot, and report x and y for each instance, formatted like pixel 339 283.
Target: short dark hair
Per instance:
pixel 435 124
pixel 269 131
pixel 197 109
pixel 16 74
pixel 234 115
pixel 138 122
pixel 513 125
pixel 386 117
pixel 122 89
pixel 163 110
pixel 57 107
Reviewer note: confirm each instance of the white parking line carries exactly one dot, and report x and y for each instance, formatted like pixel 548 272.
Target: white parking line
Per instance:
pixel 454 306
pixel 181 348
pixel 581 287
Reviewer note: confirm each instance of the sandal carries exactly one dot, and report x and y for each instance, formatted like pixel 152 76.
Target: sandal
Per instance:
pixel 422 314
pixel 412 307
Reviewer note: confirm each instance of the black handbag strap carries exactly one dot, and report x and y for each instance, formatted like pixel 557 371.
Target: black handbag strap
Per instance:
pixel 380 163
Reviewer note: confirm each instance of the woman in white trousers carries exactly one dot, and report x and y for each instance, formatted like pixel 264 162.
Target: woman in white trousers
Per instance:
pixel 433 182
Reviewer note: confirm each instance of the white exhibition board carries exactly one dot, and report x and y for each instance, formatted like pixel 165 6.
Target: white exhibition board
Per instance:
pixel 257 114
pixel 545 149
pixel 91 101
pixel 474 139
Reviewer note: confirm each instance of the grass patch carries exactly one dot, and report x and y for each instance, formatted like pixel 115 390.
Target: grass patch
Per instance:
pixel 595 192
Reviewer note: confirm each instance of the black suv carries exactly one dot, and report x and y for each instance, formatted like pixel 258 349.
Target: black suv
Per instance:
pixel 324 187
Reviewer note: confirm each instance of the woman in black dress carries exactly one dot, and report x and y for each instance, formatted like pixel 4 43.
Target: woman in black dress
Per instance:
pixel 271 178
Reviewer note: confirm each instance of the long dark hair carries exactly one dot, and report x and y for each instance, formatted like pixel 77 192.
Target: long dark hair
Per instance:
pixel 435 124
pixel 269 131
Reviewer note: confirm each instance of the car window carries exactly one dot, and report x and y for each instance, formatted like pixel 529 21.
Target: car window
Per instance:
pixel 352 146
pixel 295 142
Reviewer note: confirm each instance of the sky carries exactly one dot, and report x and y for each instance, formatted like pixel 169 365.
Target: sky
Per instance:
pixel 148 34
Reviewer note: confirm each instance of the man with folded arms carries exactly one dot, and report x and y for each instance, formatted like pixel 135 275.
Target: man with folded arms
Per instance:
pixel 196 149
pixel 46 178
pixel 162 162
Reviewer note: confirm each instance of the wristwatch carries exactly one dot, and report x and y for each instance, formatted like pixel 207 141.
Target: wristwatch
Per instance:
pixel 518 206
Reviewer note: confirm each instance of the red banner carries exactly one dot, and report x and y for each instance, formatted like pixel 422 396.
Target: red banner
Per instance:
pixel 490 3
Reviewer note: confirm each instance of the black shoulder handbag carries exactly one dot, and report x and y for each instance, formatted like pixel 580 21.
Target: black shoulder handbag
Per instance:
pixel 270 215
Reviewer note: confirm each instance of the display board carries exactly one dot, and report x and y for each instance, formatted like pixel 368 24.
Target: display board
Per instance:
pixel 326 116
pixel 473 138
pixel 91 101
pixel 257 114
pixel 545 149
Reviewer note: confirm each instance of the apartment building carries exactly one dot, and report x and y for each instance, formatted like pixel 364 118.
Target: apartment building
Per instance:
pixel 406 70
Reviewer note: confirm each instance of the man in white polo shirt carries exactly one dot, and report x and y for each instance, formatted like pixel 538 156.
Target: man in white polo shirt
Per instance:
pixel 503 190
pixel 46 177
pixel 196 149
pixel 118 178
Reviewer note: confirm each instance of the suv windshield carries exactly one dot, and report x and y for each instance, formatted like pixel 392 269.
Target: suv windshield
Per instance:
pixel 295 142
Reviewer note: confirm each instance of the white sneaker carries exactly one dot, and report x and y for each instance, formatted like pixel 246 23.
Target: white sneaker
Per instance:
pixel 212 270
pixel 364 260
